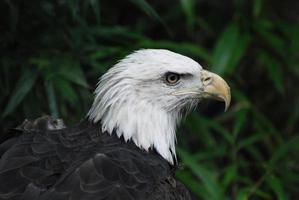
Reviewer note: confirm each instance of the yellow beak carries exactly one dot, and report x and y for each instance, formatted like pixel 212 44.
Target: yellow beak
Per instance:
pixel 215 87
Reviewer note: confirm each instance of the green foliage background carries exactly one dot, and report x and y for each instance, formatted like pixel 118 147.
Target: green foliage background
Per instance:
pixel 53 51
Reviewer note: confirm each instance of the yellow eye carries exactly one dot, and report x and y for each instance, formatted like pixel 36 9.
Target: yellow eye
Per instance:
pixel 172 78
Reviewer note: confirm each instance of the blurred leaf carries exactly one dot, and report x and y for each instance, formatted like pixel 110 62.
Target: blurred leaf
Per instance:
pixel 211 154
pixel 47 7
pixel 267 126
pixel 188 8
pixel 183 47
pixel 294 116
pixel 242 194
pixel 193 184
pixel 257 7
pixel 283 150
pixel 250 140
pixel 74 8
pixel 13 17
pixel 265 29
pixel 75 76
pixel 238 52
pixel 95 6
pixel 120 34
pixel 292 33
pixel 23 86
pixel 274 70
pixel 253 151
pixel 66 91
pixel 220 129
pixel 229 49
pixel 40 62
pixel 207 177
pixel 230 174
pixel 51 98
pixel 277 187
pixel 199 128
pixel 150 11
pixel 241 117
pixel 103 53
pixel 5 76
pixel 223 50
pixel 256 194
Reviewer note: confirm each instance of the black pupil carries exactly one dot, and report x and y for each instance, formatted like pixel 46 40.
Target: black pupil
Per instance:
pixel 172 78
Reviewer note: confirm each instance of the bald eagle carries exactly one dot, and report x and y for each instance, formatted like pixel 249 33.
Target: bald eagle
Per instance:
pixel 125 147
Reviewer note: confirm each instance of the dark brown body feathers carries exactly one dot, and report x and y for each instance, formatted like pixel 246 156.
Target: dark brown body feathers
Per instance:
pixel 81 163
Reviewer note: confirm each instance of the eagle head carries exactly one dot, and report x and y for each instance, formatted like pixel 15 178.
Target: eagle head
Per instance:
pixel 144 96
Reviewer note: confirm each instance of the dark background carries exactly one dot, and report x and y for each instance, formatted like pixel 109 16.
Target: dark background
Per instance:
pixel 53 52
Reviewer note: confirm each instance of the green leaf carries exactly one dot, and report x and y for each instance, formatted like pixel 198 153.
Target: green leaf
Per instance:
pixel 277 187
pixel 73 6
pixel 66 91
pixel 149 10
pixel 13 15
pixel 23 86
pixel 257 7
pixel 192 183
pixel 230 174
pixel 75 75
pixel 179 47
pixel 250 140
pixel 274 71
pixel 229 49
pixel 238 52
pixel 51 98
pixel 283 150
pixel 224 48
pixel 220 129
pixel 265 28
pixel 95 5
pixel 207 177
pixel 294 116
pixel 117 34
pixel 241 119
pixel 41 62
pixel 242 194
pixel 188 9
pixel 266 125
pixel 254 152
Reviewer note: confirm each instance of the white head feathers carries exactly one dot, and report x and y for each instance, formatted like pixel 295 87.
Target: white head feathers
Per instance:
pixel 133 99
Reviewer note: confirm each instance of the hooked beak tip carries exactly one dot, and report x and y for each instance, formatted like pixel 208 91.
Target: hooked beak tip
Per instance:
pixel 216 87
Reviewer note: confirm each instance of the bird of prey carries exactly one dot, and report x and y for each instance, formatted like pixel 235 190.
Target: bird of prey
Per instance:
pixel 125 146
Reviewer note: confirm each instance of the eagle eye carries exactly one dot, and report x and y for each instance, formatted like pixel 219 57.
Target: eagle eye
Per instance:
pixel 172 78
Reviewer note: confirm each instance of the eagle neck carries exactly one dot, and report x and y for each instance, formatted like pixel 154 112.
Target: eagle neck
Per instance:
pixel 148 126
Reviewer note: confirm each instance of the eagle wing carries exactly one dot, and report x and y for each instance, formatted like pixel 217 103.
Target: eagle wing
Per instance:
pixel 47 166
pixel 101 177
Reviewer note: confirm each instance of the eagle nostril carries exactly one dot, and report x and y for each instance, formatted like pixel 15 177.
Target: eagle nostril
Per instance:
pixel 207 80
